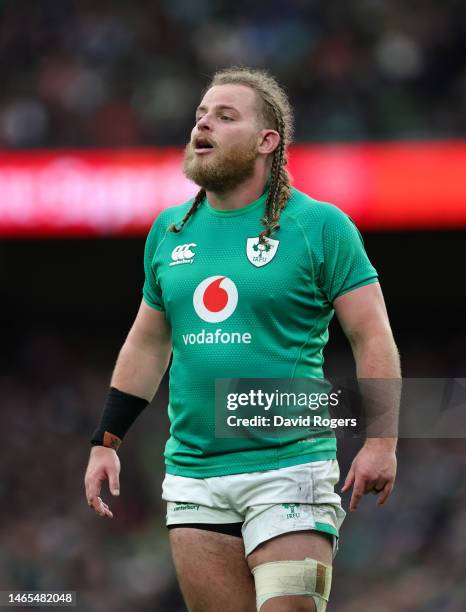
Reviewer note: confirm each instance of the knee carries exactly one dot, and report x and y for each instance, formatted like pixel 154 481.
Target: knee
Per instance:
pixel 289 604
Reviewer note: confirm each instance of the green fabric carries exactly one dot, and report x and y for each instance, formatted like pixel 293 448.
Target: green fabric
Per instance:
pixel 280 322
pixel 326 528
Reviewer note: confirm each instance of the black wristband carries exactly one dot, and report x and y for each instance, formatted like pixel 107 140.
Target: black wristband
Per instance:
pixel 120 411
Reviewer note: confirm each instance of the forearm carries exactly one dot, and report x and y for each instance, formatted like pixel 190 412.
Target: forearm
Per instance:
pixel 364 319
pixel 377 357
pixel 379 373
pixel 140 368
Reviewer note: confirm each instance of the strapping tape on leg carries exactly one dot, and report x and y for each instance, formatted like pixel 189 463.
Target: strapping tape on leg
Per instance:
pixel 280 578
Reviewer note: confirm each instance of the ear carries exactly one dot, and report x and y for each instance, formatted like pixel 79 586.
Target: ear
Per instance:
pixel 268 141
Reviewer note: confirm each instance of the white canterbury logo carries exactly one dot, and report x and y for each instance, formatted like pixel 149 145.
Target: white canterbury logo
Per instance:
pixel 182 254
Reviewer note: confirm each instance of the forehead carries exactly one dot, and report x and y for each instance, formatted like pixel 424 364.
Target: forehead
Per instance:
pixel 240 97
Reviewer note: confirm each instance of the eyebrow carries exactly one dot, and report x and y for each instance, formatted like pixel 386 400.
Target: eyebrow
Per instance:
pixel 219 107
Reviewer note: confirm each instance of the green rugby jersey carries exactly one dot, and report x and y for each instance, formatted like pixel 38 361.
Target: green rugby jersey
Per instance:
pixel 237 310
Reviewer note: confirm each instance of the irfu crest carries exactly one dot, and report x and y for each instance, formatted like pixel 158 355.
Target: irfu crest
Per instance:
pixel 261 254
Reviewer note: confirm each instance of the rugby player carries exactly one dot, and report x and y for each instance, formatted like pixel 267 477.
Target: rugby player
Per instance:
pixel 243 281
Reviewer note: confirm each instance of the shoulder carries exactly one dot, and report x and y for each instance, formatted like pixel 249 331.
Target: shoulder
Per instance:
pixel 161 224
pixel 172 214
pixel 169 215
pixel 312 213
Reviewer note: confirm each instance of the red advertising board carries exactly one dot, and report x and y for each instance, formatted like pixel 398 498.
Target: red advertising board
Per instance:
pixel 100 192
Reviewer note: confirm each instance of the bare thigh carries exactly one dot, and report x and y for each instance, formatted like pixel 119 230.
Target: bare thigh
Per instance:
pixel 293 546
pixel 212 571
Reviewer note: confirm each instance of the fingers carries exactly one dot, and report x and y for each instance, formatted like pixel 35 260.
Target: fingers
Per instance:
pixel 363 485
pixel 103 465
pixel 358 491
pixel 385 493
pixel 113 482
pixel 349 480
pixel 101 508
pixel 93 487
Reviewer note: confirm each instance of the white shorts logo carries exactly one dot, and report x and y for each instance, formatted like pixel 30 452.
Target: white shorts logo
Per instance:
pixel 182 254
pixel 215 299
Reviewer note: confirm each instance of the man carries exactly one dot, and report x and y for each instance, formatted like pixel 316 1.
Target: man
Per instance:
pixel 244 280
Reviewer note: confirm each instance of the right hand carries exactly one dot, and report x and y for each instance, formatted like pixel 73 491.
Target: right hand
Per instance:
pixel 104 464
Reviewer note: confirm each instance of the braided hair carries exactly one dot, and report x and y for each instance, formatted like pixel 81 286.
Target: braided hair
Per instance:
pixel 275 113
pixel 194 206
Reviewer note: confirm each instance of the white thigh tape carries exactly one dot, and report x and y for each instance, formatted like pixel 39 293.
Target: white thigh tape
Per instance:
pixel 280 578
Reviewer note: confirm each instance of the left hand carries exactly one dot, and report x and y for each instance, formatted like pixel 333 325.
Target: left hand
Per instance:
pixel 373 471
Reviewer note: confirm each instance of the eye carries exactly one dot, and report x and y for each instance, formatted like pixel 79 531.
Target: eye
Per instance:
pixel 226 118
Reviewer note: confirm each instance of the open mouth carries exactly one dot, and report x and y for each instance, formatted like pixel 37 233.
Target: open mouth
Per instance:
pixel 202 145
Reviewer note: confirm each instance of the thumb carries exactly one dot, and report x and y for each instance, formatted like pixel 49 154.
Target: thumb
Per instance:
pixel 113 482
pixel 349 480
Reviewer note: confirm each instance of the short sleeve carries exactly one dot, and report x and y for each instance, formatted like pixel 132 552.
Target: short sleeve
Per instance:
pixel 346 265
pixel 151 291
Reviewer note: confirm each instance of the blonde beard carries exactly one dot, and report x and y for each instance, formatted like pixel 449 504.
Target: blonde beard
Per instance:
pixel 231 168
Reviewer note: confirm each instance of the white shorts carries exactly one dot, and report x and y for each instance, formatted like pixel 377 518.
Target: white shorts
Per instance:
pixel 265 504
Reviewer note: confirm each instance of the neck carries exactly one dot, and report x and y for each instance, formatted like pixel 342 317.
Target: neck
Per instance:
pixel 242 195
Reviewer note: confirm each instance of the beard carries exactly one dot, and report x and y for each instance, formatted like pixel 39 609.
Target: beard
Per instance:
pixel 225 170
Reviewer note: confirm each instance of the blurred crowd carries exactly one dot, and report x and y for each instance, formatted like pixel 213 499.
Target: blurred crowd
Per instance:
pixel 51 393
pixel 408 556
pixel 79 73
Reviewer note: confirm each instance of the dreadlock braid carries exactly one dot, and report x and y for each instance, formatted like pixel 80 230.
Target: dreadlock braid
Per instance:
pixel 280 187
pixel 194 206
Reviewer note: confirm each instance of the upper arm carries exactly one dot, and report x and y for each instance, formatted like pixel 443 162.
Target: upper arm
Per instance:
pixel 362 313
pixel 150 329
pixel 145 354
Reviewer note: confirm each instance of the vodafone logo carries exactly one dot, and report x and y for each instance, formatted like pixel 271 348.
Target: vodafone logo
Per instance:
pixel 215 299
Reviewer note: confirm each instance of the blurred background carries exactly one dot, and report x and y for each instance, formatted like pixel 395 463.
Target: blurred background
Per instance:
pixel 96 101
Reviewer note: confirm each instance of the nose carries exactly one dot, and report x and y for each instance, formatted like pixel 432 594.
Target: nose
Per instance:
pixel 204 122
